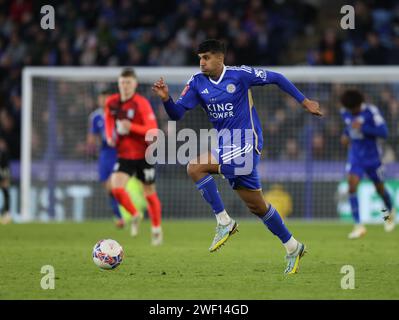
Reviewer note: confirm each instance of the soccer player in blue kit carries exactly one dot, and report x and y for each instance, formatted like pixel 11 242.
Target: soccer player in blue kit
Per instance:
pixel 364 127
pixel 107 155
pixel 224 93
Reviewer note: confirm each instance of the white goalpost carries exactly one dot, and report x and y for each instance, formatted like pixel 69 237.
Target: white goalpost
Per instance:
pixel 59 176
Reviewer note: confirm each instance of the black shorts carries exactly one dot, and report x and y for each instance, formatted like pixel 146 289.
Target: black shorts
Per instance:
pixel 144 171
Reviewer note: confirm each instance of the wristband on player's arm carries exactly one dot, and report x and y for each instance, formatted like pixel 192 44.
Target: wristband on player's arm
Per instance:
pixel 286 85
pixel 174 111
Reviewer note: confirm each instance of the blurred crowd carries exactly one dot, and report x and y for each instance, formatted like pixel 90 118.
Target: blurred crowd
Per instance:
pixel 373 41
pixel 166 33
pixel 291 134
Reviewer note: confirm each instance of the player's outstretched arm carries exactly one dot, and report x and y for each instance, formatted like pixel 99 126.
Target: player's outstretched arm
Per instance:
pixel 288 87
pixel 161 89
pixel 312 106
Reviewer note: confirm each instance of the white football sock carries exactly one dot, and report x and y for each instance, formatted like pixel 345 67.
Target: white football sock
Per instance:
pixel 156 229
pixel 291 245
pixel 223 218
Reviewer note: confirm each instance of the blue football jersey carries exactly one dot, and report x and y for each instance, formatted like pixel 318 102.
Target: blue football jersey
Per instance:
pixel 228 102
pixel 365 146
pixel 97 127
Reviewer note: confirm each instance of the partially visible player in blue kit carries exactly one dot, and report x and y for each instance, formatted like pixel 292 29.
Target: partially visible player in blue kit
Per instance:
pixel 107 155
pixel 224 93
pixel 364 128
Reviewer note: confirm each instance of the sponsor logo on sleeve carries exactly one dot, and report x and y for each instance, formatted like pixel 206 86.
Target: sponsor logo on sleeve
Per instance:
pixel 259 73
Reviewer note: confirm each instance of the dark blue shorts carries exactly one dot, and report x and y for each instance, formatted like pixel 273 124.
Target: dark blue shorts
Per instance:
pixel 239 166
pixel 374 172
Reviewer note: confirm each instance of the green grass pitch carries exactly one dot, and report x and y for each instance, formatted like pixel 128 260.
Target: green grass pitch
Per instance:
pixel 249 266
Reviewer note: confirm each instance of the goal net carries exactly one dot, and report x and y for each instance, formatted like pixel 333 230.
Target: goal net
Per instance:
pixel 302 167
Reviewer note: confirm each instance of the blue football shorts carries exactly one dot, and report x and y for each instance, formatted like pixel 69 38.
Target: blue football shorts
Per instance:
pixel 239 165
pixel 375 172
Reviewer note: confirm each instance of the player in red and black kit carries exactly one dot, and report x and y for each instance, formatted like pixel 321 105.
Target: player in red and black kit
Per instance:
pixel 128 117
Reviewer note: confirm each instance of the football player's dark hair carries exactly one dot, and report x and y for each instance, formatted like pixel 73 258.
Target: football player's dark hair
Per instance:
pixel 212 45
pixel 128 72
pixel 352 99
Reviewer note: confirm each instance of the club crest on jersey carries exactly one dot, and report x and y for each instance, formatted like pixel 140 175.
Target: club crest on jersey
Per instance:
pixel 231 88
pixel 259 73
pixel 130 113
